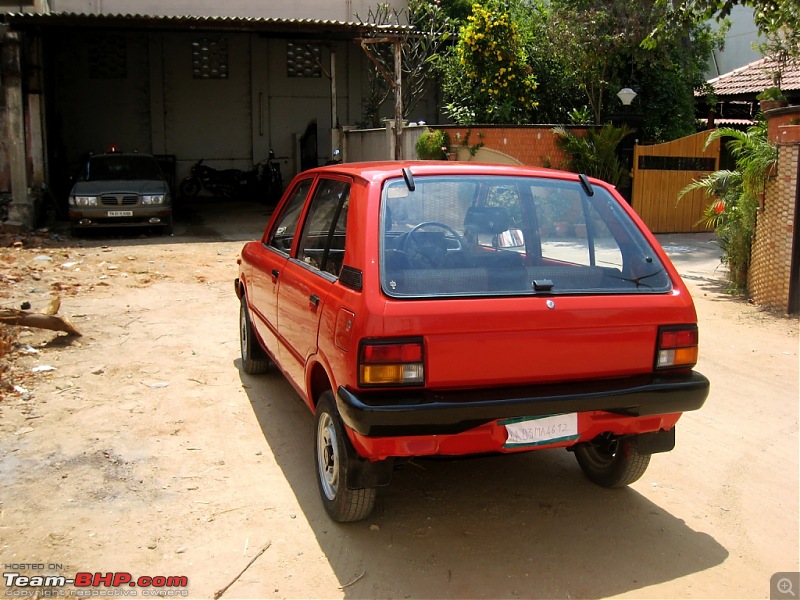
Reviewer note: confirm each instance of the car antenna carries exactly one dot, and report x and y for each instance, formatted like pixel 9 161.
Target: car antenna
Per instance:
pixel 409 179
pixel 586 185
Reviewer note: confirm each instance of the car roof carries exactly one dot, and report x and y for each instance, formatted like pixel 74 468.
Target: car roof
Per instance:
pixel 381 170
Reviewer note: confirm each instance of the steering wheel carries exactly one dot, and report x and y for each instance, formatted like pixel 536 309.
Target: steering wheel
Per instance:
pixel 433 261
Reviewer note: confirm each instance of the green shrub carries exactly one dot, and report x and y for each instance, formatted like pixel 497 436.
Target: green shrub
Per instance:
pixel 733 212
pixel 434 144
pixel 594 153
pixel 771 93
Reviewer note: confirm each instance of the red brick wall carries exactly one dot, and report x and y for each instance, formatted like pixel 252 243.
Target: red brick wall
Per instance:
pixel 530 144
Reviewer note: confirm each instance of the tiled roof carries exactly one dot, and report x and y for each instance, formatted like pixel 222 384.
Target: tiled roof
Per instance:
pixel 730 122
pixel 754 78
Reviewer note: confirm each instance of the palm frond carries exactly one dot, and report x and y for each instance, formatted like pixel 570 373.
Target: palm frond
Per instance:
pixel 718 183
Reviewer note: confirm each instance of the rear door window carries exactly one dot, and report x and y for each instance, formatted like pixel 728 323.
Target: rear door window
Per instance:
pixel 322 242
pixel 282 236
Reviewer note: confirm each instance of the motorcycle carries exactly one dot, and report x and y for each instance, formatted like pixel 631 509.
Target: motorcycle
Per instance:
pixel 264 180
pixel 336 159
pixel 220 182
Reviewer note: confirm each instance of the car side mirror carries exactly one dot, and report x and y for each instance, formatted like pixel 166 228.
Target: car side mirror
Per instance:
pixel 511 238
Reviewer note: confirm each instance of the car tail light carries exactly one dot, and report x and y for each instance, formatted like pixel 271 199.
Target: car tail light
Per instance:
pixel 677 347
pixel 393 362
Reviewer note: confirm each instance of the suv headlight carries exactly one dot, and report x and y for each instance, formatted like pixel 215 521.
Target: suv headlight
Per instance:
pixel 83 201
pixel 154 199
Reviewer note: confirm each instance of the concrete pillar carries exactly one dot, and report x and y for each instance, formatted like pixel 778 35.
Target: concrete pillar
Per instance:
pixel 14 150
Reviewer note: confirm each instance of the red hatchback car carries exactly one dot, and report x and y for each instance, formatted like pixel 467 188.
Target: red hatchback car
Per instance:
pixel 450 309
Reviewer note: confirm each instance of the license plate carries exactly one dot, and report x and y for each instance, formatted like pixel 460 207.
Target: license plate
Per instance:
pixel 120 213
pixel 538 431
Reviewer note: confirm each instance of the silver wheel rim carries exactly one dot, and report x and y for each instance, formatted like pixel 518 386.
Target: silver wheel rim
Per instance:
pixel 243 331
pixel 327 456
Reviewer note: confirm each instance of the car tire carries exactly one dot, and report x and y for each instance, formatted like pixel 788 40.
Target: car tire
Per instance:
pixel 254 358
pixel 612 463
pixel 334 456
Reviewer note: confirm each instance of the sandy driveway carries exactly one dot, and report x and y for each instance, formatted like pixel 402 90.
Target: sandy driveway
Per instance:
pixel 147 451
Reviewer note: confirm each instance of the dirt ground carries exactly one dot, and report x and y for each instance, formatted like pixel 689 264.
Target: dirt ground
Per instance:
pixel 143 448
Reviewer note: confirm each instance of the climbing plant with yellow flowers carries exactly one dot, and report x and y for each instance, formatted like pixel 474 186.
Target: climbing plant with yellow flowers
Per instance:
pixel 487 78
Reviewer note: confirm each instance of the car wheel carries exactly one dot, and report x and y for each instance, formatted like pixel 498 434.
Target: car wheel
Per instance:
pixel 189 187
pixel 612 462
pixel 254 358
pixel 334 456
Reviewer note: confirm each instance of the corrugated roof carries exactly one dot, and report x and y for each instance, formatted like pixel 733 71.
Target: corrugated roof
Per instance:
pixel 324 28
pixel 755 78
pixel 730 122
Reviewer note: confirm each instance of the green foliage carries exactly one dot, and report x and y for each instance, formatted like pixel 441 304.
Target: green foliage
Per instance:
pixel 471 148
pixel 596 47
pixel 771 93
pixel 595 153
pixel 737 192
pixel 777 21
pixel 434 144
pixel 486 77
pixel 580 116
pixel 557 92
pixel 458 10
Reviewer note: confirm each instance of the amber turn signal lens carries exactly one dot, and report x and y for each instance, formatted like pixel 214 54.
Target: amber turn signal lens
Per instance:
pixel 677 347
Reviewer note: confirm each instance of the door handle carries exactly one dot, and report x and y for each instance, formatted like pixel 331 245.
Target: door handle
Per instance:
pixel 275 273
pixel 314 299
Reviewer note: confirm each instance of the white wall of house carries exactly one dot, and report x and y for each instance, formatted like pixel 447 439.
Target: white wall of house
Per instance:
pixel 327 10
pixel 739 42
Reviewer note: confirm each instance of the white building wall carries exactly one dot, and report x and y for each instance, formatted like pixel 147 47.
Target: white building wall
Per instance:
pixel 739 41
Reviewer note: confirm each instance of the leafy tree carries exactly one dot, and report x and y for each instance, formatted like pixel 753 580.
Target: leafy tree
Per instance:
pixel 778 21
pixel 558 93
pixel 487 78
pixel 599 45
pixel 458 10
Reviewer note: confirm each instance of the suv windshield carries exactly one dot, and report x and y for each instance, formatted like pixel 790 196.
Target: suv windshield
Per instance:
pixel 122 168
pixel 488 236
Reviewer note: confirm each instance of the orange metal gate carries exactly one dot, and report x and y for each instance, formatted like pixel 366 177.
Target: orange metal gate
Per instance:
pixel 661 171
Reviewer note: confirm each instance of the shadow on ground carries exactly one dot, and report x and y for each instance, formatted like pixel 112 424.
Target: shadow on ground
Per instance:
pixel 527 525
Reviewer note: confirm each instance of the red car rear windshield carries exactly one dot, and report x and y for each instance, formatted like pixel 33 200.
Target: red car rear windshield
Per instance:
pixel 486 235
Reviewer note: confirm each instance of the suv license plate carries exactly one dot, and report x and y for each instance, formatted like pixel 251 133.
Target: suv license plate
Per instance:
pixel 537 431
pixel 120 213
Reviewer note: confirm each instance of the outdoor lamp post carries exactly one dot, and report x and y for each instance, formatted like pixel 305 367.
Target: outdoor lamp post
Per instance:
pixel 626 96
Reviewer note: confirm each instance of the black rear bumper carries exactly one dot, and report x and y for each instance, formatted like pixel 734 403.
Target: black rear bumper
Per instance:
pixel 409 412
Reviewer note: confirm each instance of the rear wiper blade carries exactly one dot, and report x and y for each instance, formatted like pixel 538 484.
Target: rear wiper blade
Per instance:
pixel 638 280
